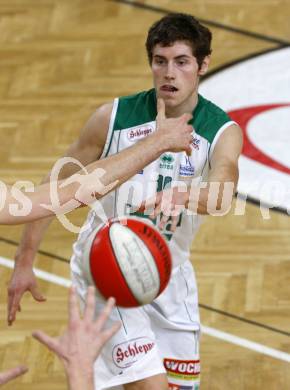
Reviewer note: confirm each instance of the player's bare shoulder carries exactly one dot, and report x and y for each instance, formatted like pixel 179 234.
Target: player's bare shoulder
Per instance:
pixel 229 144
pixel 96 129
pixel 89 146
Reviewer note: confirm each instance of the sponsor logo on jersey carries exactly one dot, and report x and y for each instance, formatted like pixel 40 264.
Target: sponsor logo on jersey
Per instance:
pixel 135 134
pixel 187 368
pixel 186 168
pixel 195 143
pixel 125 354
pixel 166 161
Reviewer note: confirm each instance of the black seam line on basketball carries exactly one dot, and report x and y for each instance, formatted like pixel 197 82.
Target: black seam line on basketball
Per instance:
pixel 208 22
pixel 41 252
pixel 243 319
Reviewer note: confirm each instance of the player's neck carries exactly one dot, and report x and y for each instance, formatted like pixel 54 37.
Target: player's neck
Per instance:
pixel 185 107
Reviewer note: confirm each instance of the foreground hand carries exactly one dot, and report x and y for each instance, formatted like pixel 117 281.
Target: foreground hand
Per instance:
pixel 170 203
pixel 22 280
pixel 81 343
pixel 12 373
pixel 176 134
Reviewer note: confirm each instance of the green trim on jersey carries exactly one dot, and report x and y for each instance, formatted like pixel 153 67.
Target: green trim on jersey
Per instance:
pixel 135 110
pixel 208 119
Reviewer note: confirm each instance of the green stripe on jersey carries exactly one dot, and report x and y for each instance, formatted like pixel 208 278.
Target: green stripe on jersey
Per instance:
pixel 208 118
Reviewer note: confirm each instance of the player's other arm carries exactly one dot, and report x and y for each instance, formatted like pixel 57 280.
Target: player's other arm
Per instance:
pixel 215 196
pixel 212 197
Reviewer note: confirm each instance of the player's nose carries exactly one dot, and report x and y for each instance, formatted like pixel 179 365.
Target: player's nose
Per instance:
pixel 170 72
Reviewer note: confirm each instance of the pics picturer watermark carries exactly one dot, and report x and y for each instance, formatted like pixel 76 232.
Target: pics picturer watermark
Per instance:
pixel 86 188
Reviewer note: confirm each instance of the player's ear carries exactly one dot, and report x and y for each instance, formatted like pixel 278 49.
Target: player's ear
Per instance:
pixel 204 66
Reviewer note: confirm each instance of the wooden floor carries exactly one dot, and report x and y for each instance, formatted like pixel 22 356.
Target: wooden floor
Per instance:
pixel 58 61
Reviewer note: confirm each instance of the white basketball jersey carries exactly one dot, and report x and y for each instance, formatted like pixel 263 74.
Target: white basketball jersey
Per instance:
pixel 132 119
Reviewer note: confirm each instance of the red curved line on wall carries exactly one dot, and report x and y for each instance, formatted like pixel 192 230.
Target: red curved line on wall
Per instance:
pixel 242 117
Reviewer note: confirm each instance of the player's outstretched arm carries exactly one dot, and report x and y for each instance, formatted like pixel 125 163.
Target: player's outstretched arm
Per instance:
pixel 13 373
pixel 80 345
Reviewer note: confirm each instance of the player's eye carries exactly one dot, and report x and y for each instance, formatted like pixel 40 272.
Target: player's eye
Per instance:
pixel 159 61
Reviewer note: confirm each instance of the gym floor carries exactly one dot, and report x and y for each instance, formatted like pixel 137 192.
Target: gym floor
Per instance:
pixel 62 59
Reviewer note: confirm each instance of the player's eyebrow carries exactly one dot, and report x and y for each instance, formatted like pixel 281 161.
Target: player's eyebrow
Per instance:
pixel 181 56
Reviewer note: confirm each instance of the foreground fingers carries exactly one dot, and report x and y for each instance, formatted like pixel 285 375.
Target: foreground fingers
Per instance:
pixel 35 292
pixel 73 308
pixel 12 373
pixel 103 317
pixel 13 307
pixel 108 333
pixel 90 304
pixel 46 340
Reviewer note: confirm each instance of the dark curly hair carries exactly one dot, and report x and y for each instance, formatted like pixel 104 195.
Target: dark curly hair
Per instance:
pixel 180 27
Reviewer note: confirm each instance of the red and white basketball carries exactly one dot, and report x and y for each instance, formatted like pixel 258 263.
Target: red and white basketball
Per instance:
pixel 128 259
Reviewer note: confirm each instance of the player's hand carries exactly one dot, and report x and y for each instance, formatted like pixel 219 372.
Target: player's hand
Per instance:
pixel 12 373
pixel 81 343
pixel 170 203
pixel 175 133
pixel 22 280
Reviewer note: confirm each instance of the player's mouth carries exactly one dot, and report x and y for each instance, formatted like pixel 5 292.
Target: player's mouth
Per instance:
pixel 168 89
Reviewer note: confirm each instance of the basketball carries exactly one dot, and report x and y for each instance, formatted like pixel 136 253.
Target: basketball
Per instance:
pixel 128 259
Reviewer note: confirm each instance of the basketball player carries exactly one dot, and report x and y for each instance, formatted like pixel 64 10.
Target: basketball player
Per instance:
pixel 158 345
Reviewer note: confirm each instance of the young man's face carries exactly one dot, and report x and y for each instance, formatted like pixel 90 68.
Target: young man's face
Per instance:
pixel 176 75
